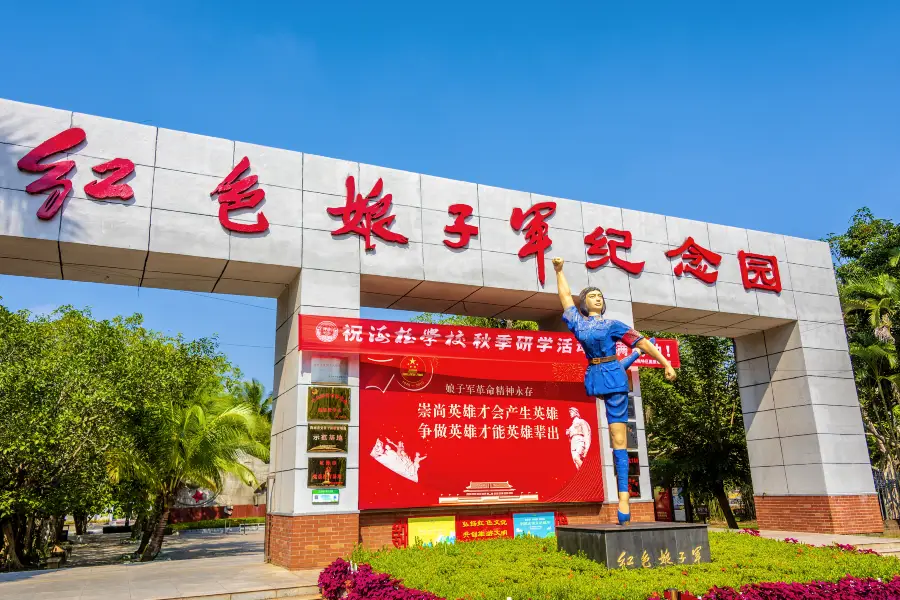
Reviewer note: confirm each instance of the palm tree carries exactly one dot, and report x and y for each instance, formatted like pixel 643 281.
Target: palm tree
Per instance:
pixel 876 300
pixel 196 444
pixel 878 390
pixel 254 394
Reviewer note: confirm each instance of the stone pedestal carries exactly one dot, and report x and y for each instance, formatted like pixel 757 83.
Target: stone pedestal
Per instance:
pixel 638 545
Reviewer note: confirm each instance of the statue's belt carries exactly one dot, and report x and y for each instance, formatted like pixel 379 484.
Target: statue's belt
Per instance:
pixel 603 359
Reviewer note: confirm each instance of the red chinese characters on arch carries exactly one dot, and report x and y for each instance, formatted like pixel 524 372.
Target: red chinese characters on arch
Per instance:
pixel 54 178
pixel 759 272
pixel 537 240
pixel 606 249
pixel 55 174
pixel 234 193
pixel 460 227
pixel 366 218
pixel 695 260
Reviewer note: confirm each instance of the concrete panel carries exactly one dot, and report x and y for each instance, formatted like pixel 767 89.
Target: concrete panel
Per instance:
pixel 613 281
pixel 277 246
pixel 849 479
pixel 576 276
pixel 194 153
pixel 407 222
pixel 734 299
pixel 287 338
pixel 780 306
pixel 185 192
pixel 567 244
pixel 757 398
pixel 678 230
pixel 769 480
pixel 273 166
pixel 815 390
pixel 109 138
pixel 806 480
pixel 819 308
pixel 567 216
pixel 782 338
pixel 753 371
pixel 813 279
pixel 826 448
pixel 598 215
pixel 11 177
pixel 825 336
pixel 18 221
pixel 845 420
pixel 349 496
pixel 693 293
pixel 30 125
pixel 619 310
pixel 239 287
pixel 329 289
pixel 797 420
pixel 30 268
pixel 498 203
pixel 764 453
pixel 393 260
pixel 729 270
pixel 499 236
pixel 652 255
pixel 321 250
pixel 261 273
pixel 439 194
pixel 508 271
pixel 727 240
pixel 761 425
pixel 405 187
pixel 645 227
pixel 434 222
pixel 457 266
pixel 653 288
pixel 329 176
pixel 770 244
pixel 90 230
pixel 187 234
pixel 178 281
pixel 807 252
pixel 442 291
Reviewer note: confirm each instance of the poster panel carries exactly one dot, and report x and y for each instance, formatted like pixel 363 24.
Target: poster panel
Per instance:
pixel 634 475
pixel 470 528
pixel 327 472
pixel 535 524
pixel 457 432
pixel 327 438
pixel 429 531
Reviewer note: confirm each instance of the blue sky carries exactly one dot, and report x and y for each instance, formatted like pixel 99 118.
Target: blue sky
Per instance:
pixel 778 116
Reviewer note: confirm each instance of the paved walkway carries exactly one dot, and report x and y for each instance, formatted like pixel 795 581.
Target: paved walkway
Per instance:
pixel 231 563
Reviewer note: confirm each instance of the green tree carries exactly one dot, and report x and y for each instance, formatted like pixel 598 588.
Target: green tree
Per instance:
pixel 254 393
pixel 486 322
pixel 695 429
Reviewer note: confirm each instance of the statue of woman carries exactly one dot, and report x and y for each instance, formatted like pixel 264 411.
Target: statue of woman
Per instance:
pixel 605 376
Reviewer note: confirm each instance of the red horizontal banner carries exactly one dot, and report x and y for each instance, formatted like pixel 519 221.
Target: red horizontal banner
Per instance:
pixel 357 336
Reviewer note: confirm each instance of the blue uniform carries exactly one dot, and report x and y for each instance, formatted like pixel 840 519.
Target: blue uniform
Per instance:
pixel 598 337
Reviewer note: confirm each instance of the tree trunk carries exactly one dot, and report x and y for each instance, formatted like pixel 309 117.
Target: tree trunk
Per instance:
pixel 29 532
pixel 722 497
pixel 688 505
pixel 13 562
pixel 138 529
pixel 159 531
pixel 80 523
pixel 57 522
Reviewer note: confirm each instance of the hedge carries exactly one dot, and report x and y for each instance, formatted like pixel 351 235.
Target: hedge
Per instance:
pixel 216 523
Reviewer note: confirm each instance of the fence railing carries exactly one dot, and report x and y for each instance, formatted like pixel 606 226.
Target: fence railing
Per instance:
pixel 888 495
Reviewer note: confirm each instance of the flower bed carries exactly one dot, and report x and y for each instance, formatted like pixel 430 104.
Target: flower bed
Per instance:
pixel 532 568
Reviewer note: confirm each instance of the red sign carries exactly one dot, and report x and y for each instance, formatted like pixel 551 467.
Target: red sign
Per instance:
pixel 356 336
pixel 55 174
pixel 462 432
pixel 606 249
pixel 471 528
pixel 537 239
pixel 365 219
pixel 759 271
pixel 695 260
pixel 234 193
pixel 459 226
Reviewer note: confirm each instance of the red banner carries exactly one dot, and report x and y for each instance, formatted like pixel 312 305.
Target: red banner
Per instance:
pixel 357 336
pixel 471 528
pixel 452 432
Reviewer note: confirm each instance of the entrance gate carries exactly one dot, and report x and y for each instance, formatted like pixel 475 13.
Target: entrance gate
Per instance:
pixel 153 207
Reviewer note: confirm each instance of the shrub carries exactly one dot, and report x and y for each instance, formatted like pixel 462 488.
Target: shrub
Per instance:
pixel 848 588
pixel 340 581
pixel 216 523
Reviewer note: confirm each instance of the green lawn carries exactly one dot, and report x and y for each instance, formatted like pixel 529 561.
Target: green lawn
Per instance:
pixel 532 568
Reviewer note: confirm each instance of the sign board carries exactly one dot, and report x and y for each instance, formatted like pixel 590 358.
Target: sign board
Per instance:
pixel 631 435
pixel 327 438
pixel 535 524
pixel 470 528
pixel 346 335
pixel 328 472
pixel 327 403
pixel 429 531
pixel 329 370
pixel 634 475
pixel 326 496
pixel 455 432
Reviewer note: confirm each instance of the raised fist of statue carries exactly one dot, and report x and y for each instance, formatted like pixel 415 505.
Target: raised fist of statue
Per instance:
pixel 557 264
